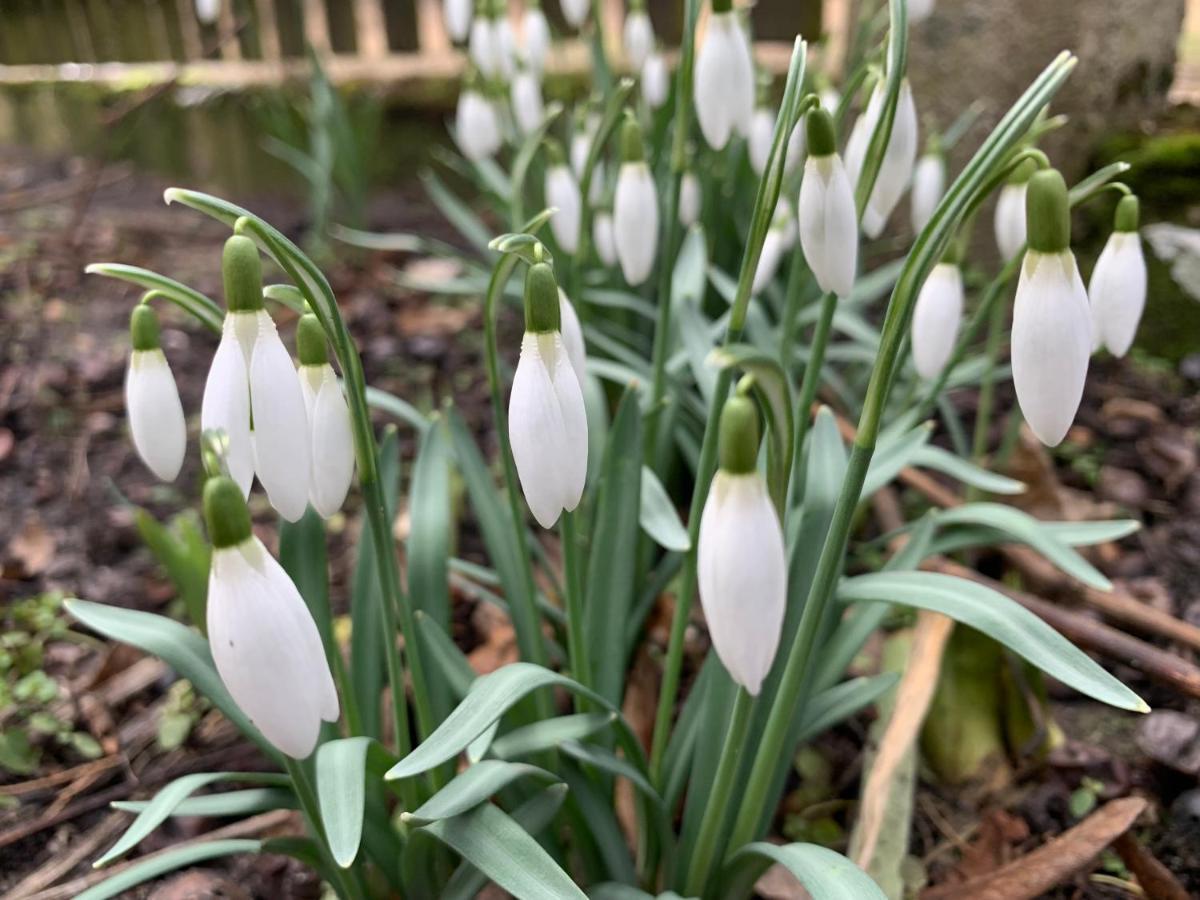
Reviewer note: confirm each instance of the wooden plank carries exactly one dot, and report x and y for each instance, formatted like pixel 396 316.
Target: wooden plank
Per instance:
pixel 431 28
pixel 370 29
pixel 316 25
pixel 189 29
pixel 268 30
pixel 231 47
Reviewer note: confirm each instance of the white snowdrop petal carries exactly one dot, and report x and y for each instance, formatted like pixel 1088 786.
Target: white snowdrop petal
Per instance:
pixel 155 413
pixel 332 443
pixel 574 11
pixel 929 183
pixel 602 234
pixel 207 10
pixel 476 126
pixel 528 108
pixel 828 224
pixel 1009 220
pixel 505 47
pixel 483 48
pixel 562 192
pixel 1051 343
pixel 897 166
pixel 572 336
pixel 742 571
pixel 762 130
pixel 742 82
pixel 537 433
pixel 281 439
pixel 655 80
pixel 1117 292
pixel 797 148
pixel 768 260
pixel 226 404
pixel 569 392
pixel 635 221
pixel 936 319
pixel 860 136
pixel 639 38
pixel 535 32
pixel 719 76
pixel 690 199
pixel 266 647
pixel 457 15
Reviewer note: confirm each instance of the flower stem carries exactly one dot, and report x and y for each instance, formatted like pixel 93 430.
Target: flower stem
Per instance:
pixel 577 645
pixel 707 850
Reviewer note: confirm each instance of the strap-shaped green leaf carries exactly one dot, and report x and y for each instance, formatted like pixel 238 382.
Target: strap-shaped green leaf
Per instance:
pixel 1000 618
pixel 342 768
pixel 893 455
pixel 826 875
pixel 841 701
pixel 475 785
pixel 228 803
pixel 931 457
pixel 167 861
pixel 658 516
pixel 188 299
pixel 548 734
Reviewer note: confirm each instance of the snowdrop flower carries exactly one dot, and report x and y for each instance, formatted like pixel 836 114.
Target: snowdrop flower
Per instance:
pixel 264 642
pixel 572 336
pixel 547 425
pixel 457 16
pixel 575 11
pixel 581 145
pixel 1117 290
pixel 860 135
pixel 1052 327
pixel 562 192
pixel 603 237
pixel 535 36
pixel 506 42
pixel 929 183
pixel 780 238
pixel 476 122
pixel 656 80
pixel 897 167
pixel 828 224
pixel 724 79
pixel 638 35
pixel 152 400
pixel 331 437
pixel 762 132
pixel 741 562
pixel 635 208
pixel 936 319
pixel 691 199
pixel 252 379
pixel 207 11
pixel 486 42
pixel 528 108
pixel 797 148
pixel 1009 221
pixel 830 98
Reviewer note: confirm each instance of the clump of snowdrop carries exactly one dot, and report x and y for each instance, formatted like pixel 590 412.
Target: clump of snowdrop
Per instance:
pixel 1052 326
pixel 828 224
pixel 1009 220
pixel 562 192
pixel 331 434
pixel 547 425
pixel 152 399
pixel 937 319
pixel 742 566
pixel 724 78
pixel 263 638
pixel 635 208
pixel 897 166
pixel 1117 291
pixel 928 185
pixel 781 236
pixel 476 121
pixel 638 35
pixel 253 380
pixel 535 37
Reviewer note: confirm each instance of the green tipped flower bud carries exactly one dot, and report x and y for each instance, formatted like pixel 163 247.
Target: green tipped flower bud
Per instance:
pixel 738 438
pixel 242 271
pixel 143 328
pixel 819 127
pixel 632 148
pixel 1047 213
pixel 225 513
pixel 541 300
pixel 1126 218
pixel 554 153
pixel 1022 173
pixel 722 6
pixel 310 341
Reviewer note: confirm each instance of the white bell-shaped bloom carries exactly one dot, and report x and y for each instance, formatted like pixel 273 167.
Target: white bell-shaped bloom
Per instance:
pixel 535 38
pixel 331 438
pixel 937 319
pixel 1117 292
pixel 226 403
pixel 828 224
pixel 207 11
pixel 656 80
pixel 830 98
pixel 507 48
pixel 528 108
pixel 581 144
pixel 457 15
pixel 724 81
pixel 896 169
pixel 929 183
pixel 919 10
pixel 476 125
pixel 485 47
pixel 155 413
pixel 635 221
pixel 572 336
pixel 691 199
pixel 781 236
pixel 562 192
pixel 797 149
pixel 860 135
pixel 547 427
pixel 639 38
pixel 762 131
pixel 1009 220
pixel 267 649
pixel 575 11
pixel 603 237
pixel 1051 342
pixel 742 570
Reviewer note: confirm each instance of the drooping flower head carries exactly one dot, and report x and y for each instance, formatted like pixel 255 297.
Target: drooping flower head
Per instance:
pixel 1117 290
pixel 152 399
pixel 828 223
pixel 691 199
pixel 638 35
pixel 741 563
pixel 724 80
pixel 528 108
pixel 603 237
pixel 457 16
pixel 535 37
pixel 896 168
pixel 264 642
pixel 928 185
pixel 1009 220
pixel 781 235
pixel 476 121
pixel 655 79
pixel 937 318
pixel 562 192
pixel 547 425
pixel 575 11
pixel 1052 327
pixel 635 207
pixel 331 439
pixel 253 380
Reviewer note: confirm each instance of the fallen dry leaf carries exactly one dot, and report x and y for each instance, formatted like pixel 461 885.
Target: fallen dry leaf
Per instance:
pixel 32 547
pixel 1051 864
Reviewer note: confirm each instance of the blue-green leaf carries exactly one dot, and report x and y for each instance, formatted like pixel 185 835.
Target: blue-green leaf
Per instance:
pixel 658 516
pixel 475 785
pixel 549 733
pixel 228 803
pixel 167 861
pixel 841 701
pixel 342 768
pixel 826 875
pixel 932 457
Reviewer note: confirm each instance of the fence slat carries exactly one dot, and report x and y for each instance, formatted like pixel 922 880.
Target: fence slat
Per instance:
pixel 268 30
pixel 370 29
pixel 431 28
pixel 316 25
